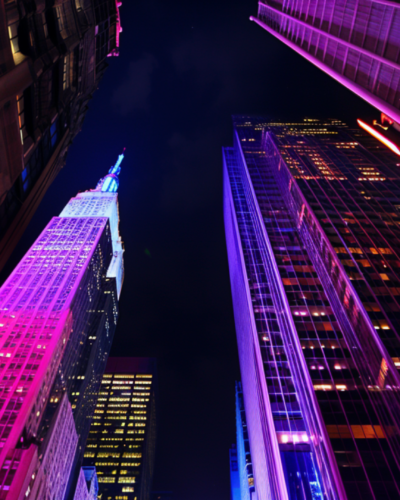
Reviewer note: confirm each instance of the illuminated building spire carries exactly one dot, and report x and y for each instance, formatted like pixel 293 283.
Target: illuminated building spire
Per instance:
pixel 110 183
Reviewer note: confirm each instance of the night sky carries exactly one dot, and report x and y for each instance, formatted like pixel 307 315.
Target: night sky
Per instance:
pixel 184 69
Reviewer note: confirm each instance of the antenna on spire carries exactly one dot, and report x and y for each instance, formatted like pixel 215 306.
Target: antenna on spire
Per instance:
pixel 110 183
pixel 116 169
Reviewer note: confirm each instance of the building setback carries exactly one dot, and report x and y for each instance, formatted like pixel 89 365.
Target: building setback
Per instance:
pixel 357 42
pixel 312 218
pixel 121 443
pixel 52 58
pixel 58 313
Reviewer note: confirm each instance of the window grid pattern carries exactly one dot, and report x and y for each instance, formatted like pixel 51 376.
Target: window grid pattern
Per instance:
pixel 358 39
pixel 38 311
pixel 310 180
pixel 284 429
pixel 116 445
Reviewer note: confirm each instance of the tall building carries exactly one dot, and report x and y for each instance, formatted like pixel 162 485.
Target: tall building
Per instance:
pixel 121 443
pixel 312 218
pixel 357 42
pixel 52 58
pixel 58 313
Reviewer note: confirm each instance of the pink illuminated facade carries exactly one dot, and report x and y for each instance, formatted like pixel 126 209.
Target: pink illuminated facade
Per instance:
pixel 58 312
pixel 357 42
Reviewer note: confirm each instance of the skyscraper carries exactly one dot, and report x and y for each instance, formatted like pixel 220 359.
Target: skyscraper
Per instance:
pixel 58 312
pixel 312 215
pixel 52 58
pixel 121 443
pixel 357 42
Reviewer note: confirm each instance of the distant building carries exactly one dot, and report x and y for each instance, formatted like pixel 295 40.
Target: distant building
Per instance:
pixel 121 443
pixel 235 481
pixel 58 313
pixel 312 222
pixel 52 58
pixel 356 42
pixel 245 467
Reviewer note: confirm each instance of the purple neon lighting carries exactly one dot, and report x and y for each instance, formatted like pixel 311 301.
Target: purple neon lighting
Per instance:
pixel 270 482
pixel 372 99
pixel 333 486
pixel 336 39
pixel 368 350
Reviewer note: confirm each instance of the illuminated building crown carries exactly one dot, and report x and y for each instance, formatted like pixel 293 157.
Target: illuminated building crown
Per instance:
pixel 110 183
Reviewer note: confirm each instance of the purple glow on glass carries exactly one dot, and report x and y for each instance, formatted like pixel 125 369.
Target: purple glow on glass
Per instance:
pixel 365 346
pixel 362 92
pixel 264 446
pixel 305 390
pixel 336 39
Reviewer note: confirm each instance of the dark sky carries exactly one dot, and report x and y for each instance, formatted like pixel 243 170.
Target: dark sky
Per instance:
pixel 184 69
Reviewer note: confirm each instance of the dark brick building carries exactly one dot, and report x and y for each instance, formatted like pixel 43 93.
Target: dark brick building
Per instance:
pixel 53 54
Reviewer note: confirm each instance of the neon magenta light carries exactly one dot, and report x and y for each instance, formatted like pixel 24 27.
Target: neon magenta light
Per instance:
pixel 354 87
pixel 118 28
pixel 381 138
pixel 35 325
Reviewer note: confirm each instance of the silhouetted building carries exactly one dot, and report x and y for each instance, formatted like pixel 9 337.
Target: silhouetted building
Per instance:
pixel 52 58
pixel 121 443
pixel 312 218
pixel 58 313
pixel 161 495
pixel 234 473
pixel 356 42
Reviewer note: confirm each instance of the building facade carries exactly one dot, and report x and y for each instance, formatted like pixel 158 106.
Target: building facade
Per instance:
pixel 52 58
pixel 87 487
pixel 58 313
pixel 357 42
pixel 121 443
pixel 245 466
pixel 312 214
